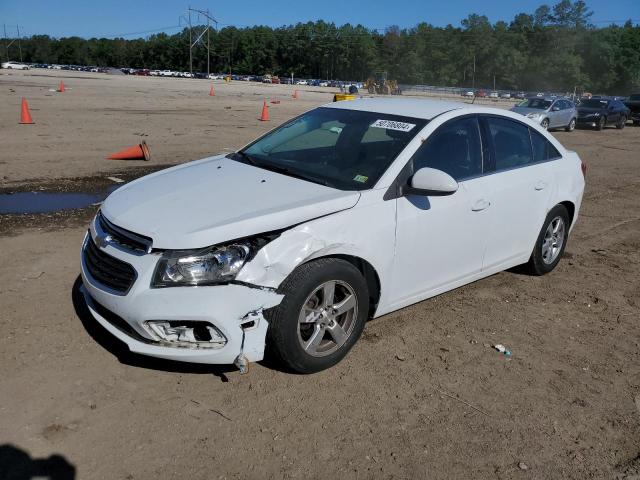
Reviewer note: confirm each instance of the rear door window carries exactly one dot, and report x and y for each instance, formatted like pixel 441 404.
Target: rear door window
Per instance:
pixel 543 150
pixel 511 143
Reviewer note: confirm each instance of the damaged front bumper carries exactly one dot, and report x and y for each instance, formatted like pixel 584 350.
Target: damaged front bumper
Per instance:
pixel 231 313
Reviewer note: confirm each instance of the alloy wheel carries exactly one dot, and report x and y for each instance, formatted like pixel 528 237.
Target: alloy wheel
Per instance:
pixel 553 240
pixel 327 318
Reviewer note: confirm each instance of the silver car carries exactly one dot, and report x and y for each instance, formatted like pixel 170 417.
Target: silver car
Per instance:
pixel 549 112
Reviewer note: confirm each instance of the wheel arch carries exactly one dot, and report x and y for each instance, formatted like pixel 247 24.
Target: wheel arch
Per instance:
pixel 571 209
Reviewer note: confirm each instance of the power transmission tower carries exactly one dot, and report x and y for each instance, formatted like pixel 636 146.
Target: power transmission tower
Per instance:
pixel 206 14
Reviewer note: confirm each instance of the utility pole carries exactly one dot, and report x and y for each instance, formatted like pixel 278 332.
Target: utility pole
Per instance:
pixel 190 45
pixel 473 80
pixel 494 83
pixel 6 42
pixel 19 45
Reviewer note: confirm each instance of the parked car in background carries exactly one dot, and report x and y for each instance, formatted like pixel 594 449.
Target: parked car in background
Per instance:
pixel 549 112
pixel 505 95
pixel 633 104
pixel 273 245
pixel 15 66
pixel 521 95
pixel 602 112
pixel 481 93
pixel 468 93
pixel 493 95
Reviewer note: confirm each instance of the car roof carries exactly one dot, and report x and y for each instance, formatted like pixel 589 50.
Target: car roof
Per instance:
pixel 408 107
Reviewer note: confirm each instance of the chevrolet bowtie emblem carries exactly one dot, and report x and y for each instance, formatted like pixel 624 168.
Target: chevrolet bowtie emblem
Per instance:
pixel 103 240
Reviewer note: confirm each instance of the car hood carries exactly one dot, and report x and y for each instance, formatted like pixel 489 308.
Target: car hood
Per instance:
pixel 527 110
pixel 216 200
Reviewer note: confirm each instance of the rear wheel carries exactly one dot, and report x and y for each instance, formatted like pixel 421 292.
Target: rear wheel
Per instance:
pixel 572 126
pixel 321 316
pixel 601 123
pixel 551 242
pixel 545 123
pixel 623 121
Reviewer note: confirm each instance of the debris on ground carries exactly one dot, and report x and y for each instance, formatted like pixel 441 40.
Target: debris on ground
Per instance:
pixel 502 349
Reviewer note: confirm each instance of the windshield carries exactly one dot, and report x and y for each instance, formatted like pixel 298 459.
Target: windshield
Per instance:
pixel 339 148
pixel 594 103
pixel 539 103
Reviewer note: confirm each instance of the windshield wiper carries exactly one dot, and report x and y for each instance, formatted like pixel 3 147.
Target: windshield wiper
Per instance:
pixel 291 173
pixel 245 158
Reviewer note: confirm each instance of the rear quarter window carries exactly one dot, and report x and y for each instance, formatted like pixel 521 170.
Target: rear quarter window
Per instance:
pixel 543 150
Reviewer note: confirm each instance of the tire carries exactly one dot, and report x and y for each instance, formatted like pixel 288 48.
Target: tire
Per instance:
pixel 571 127
pixel 623 121
pixel 291 341
pixel 551 242
pixel 601 123
pixel 545 123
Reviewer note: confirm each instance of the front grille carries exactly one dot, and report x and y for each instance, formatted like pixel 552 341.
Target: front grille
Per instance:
pixel 125 238
pixel 108 270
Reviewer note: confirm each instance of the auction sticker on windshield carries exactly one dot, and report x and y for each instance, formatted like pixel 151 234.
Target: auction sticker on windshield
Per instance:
pixel 393 125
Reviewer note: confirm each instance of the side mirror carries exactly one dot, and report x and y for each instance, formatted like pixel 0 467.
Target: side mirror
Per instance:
pixel 430 182
pixel 555 109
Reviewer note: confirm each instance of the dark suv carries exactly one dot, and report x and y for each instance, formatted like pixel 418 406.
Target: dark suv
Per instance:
pixel 601 112
pixel 633 104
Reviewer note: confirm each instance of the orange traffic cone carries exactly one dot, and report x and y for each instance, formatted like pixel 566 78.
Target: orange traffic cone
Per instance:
pixel 25 116
pixel 212 92
pixel 265 113
pixel 295 94
pixel 139 152
pixel 61 87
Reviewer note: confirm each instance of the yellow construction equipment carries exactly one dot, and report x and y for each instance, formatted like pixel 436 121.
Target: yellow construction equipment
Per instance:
pixel 381 85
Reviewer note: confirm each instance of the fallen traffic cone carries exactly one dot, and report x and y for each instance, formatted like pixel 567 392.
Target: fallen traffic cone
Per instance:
pixel 212 92
pixel 265 113
pixel 139 152
pixel 61 87
pixel 25 116
pixel 295 94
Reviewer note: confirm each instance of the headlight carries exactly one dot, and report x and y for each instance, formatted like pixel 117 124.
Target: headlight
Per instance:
pixel 207 266
pixel 533 115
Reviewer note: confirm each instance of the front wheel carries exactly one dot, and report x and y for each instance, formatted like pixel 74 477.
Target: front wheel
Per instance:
pixel 601 123
pixel 551 242
pixel 545 123
pixel 321 316
pixel 572 126
pixel 623 121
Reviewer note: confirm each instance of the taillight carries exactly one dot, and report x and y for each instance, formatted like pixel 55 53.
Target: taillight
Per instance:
pixel 583 167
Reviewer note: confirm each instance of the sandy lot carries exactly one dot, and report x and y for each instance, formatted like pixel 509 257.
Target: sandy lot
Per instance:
pixel 422 395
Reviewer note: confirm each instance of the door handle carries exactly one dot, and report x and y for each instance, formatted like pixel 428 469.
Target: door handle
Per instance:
pixel 481 205
pixel 541 185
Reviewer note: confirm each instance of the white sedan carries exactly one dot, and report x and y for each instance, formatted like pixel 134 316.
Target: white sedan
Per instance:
pixel 15 66
pixel 347 212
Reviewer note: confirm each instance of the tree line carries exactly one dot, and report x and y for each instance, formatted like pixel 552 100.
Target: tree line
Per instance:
pixel 555 48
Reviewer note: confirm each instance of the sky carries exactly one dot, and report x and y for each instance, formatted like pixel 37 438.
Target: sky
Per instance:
pixel 139 18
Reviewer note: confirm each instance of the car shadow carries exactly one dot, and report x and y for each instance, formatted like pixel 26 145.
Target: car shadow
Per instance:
pixel 120 350
pixel 16 464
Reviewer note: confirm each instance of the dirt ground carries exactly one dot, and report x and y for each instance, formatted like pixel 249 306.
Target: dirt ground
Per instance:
pixel 422 395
